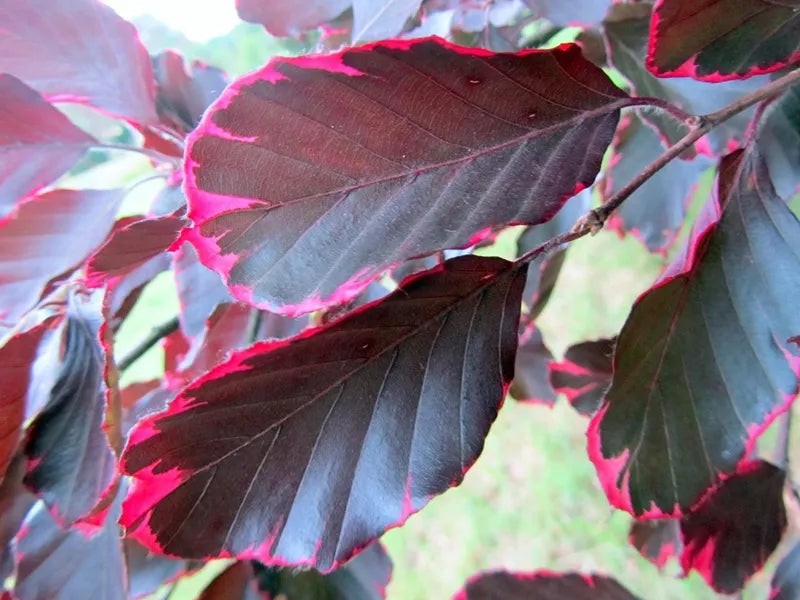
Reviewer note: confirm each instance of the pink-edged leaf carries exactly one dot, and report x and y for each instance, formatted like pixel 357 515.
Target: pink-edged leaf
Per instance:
pixel 71 464
pixel 701 365
pixel 37 142
pixel 146 571
pixel 531 381
pixel 44 43
pixel 575 12
pixel 426 159
pixel 654 213
pixel 627 30
pixel 282 19
pixel 15 502
pixel 65 564
pixel 234 583
pixel 16 362
pixel 730 535
pixel 46 236
pixel 200 290
pixel 314 446
pixel 182 96
pixel 715 40
pixel 779 140
pixel 381 19
pixel 123 292
pixel 657 540
pixel 786 580
pixel 542 585
pixel 131 245
pixel 584 374
pixel 365 577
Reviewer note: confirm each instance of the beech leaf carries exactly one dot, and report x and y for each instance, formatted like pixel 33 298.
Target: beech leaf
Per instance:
pixel 381 19
pixel 425 159
pixel 702 364
pixel 303 451
pixel 575 12
pixel 657 540
pixel 531 381
pixel 786 581
pixel 282 19
pixel 584 374
pixel 542 586
pixel 779 140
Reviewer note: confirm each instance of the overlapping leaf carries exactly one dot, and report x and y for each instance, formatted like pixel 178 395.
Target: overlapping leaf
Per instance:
pixel 531 381
pixel 46 236
pixel 380 20
pixel 146 571
pixel 542 586
pixel 200 290
pixel 37 142
pixel 701 366
pixel 584 374
pixel 779 140
pixel 71 464
pixel 657 539
pixel 426 158
pixel 280 18
pixel 303 451
pixel 733 531
pixel 15 502
pixel 786 581
pixel 45 44
pixel 715 40
pixel 576 12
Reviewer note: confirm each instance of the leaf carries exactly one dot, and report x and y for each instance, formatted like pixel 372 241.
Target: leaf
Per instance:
pixel 700 366
pixel 282 19
pixel 54 231
pixel 314 446
pixel 234 583
pixel 627 31
pixel 65 564
pixel 71 465
pixel 779 141
pixel 732 532
pixel 584 374
pixel 381 19
pixel 786 580
pixel 16 363
pixel 37 143
pixel 723 39
pixel 405 180
pixel 182 96
pixel 531 381
pixel 657 540
pixel 542 585
pixel 131 245
pixel 576 12
pixel 200 290
pixel 15 502
pixel 147 572
pixel 654 213
pixel 45 43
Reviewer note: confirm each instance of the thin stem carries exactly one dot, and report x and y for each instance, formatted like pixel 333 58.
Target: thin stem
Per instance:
pixel 148 152
pixel 784 440
pixel 670 109
pixel 254 325
pixel 161 331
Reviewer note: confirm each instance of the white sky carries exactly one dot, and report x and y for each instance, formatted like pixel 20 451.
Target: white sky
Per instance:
pixel 199 20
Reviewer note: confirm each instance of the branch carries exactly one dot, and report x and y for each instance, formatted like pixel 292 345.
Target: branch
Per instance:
pixel 151 340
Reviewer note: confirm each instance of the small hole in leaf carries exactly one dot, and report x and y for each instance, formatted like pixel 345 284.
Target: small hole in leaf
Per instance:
pixel 474 80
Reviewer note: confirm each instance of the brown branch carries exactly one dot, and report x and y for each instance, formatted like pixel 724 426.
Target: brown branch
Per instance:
pixel 161 331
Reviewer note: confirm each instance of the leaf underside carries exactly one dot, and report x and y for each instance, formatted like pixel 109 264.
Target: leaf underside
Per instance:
pixel 542 586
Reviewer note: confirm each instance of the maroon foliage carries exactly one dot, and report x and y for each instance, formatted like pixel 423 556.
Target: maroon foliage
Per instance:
pixel 45 44
pixel 714 40
pixel 146 571
pixel 701 366
pixel 657 539
pixel 381 20
pixel 531 380
pixel 542 586
pixel 280 18
pixel 426 159
pixel 345 417
pixel 779 140
pixel 15 502
pixel 584 374
pixel 786 582
pixel 574 12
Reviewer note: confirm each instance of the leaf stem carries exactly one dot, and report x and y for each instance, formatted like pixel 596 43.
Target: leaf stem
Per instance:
pixel 152 154
pixel 161 331
pixel 672 110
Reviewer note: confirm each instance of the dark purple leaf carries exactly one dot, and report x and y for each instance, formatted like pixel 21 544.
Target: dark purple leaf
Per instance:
pixel 71 464
pixel 574 12
pixel 786 581
pixel 531 381
pixel 78 51
pixel 542 586
pixel 654 213
pixel 627 30
pixel 381 20
pixel 37 143
pixel 282 18
pixel 146 571
pixel 132 245
pixel 426 159
pixel 584 374
pixel 181 96
pixel 65 564
pixel 16 362
pixel 657 539
pixel 123 292
pixel 54 232
pixel 302 451
pixel 715 40
pixel 234 583
pixel 365 577
pixel 15 502
pixel 733 531
pixel 779 140
pixel 701 365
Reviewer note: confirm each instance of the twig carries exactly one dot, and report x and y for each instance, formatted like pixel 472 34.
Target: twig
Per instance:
pixel 161 331
pixel 254 325
pixel 784 440
pixel 672 110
